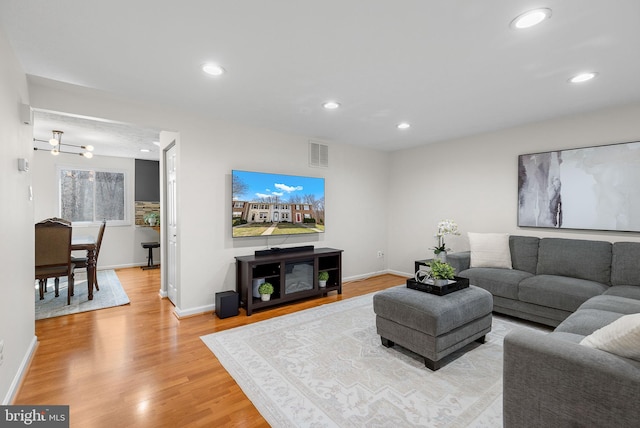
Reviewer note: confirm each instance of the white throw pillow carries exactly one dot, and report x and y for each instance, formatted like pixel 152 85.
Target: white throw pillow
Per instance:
pixel 621 337
pixel 490 250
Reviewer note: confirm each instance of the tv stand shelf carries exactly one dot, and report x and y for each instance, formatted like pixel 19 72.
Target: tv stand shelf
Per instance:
pixel 293 274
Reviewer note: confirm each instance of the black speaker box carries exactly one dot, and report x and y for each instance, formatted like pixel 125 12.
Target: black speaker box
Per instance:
pixel 227 303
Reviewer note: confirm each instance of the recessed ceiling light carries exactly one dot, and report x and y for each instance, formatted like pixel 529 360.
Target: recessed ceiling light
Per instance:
pixel 403 125
pixel 213 69
pixel 331 105
pixel 583 77
pixel 157 143
pixel 145 150
pixel 531 18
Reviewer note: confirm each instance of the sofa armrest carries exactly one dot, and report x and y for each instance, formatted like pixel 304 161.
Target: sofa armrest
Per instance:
pixel 460 261
pixel 554 382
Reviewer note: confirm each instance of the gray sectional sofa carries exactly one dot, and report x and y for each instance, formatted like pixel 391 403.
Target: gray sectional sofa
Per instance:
pixel 552 277
pixel 577 286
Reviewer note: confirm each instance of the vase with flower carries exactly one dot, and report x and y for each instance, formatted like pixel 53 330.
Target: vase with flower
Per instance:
pixel 445 227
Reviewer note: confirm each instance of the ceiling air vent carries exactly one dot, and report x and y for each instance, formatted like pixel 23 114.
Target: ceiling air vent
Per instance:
pixel 318 155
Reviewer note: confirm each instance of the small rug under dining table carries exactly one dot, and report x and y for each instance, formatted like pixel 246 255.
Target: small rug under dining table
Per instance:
pixel 111 294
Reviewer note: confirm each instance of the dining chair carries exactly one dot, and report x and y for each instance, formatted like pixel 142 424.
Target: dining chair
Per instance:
pixel 57 279
pixel 53 254
pixel 83 262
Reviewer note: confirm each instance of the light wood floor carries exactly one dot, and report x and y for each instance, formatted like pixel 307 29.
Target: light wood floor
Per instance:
pixel 138 365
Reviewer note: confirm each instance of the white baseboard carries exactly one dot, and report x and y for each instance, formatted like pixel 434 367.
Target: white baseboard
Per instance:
pixel 183 313
pixel 372 274
pixel 397 272
pixel 122 266
pixel 21 373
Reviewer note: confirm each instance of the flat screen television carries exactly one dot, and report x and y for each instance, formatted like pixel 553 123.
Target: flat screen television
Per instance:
pixel 266 204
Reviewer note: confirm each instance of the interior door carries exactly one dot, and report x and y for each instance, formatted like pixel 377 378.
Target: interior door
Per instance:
pixel 171 223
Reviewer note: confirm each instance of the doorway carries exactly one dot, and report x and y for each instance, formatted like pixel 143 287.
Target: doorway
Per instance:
pixel 170 277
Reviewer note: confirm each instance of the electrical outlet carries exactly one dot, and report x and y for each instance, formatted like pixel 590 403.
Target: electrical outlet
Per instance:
pixel 380 254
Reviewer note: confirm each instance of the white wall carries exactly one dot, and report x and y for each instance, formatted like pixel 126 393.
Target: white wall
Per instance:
pixel 120 244
pixel 17 313
pixel 474 181
pixel 356 188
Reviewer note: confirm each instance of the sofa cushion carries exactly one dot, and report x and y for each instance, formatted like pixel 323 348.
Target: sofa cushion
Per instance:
pixel 618 304
pixel 490 250
pixel 625 263
pixel 524 252
pixel 629 291
pixel 621 337
pixel 499 282
pixel 558 292
pixel 586 321
pixel 567 337
pixel 575 258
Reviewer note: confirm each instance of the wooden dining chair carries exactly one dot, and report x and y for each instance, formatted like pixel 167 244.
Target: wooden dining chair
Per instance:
pixel 57 279
pixel 83 262
pixel 53 254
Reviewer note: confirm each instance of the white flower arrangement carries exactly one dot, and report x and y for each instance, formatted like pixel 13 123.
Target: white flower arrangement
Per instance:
pixel 445 227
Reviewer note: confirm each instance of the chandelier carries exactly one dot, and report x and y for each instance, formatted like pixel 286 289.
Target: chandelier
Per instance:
pixel 56 142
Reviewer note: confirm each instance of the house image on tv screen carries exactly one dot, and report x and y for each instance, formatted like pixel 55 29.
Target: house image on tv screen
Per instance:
pixel 266 204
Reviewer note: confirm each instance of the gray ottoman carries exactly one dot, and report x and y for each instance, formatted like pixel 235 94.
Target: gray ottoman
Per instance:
pixel 432 326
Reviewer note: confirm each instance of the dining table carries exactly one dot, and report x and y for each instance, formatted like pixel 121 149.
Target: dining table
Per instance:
pixel 87 243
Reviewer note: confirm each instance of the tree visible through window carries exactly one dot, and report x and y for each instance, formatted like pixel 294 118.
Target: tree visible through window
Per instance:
pixel 91 196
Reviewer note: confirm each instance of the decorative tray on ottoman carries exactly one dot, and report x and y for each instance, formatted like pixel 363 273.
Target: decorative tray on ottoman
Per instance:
pixel 455 284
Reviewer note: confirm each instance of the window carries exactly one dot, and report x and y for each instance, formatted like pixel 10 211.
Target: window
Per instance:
pixel 89 196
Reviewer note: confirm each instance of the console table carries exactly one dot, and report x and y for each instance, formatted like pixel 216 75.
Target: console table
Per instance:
pixel 283 270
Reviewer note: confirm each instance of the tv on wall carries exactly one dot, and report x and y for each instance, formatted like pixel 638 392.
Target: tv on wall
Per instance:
pixel 266 204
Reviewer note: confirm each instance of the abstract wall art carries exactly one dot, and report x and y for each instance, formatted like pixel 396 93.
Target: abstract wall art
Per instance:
pixel 594 188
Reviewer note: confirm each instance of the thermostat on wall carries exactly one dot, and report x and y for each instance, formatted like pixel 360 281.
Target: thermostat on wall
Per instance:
pixel 23 164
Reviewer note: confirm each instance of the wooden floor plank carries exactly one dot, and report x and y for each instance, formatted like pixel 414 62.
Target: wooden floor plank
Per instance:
pixel 139 365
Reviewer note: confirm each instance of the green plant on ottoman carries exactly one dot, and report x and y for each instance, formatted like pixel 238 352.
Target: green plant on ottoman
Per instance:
pixel 441 272
pixel 265 290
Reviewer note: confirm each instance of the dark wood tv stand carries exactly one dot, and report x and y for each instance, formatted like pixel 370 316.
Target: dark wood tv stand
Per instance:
pixel 277 268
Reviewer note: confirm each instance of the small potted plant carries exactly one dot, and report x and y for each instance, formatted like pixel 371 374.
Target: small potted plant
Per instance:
pixel 152 218
pixel 441 272
pixel 266 290
pixel 323 277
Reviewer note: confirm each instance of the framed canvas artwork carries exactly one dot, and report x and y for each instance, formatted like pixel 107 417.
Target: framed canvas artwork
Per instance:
pixel 595 188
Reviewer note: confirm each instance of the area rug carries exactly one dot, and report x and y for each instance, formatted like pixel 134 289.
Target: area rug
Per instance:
pixel 110 294
pixel 326 367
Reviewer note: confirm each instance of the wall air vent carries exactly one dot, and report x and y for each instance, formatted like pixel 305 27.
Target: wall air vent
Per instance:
pixel 318 155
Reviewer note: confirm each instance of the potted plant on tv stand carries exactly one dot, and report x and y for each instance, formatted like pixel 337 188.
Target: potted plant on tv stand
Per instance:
pixel 323 277
pixel 265 290
pixel 441 272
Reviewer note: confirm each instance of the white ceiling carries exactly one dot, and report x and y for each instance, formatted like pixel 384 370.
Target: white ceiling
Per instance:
pixel 107 137
pixel 450 68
